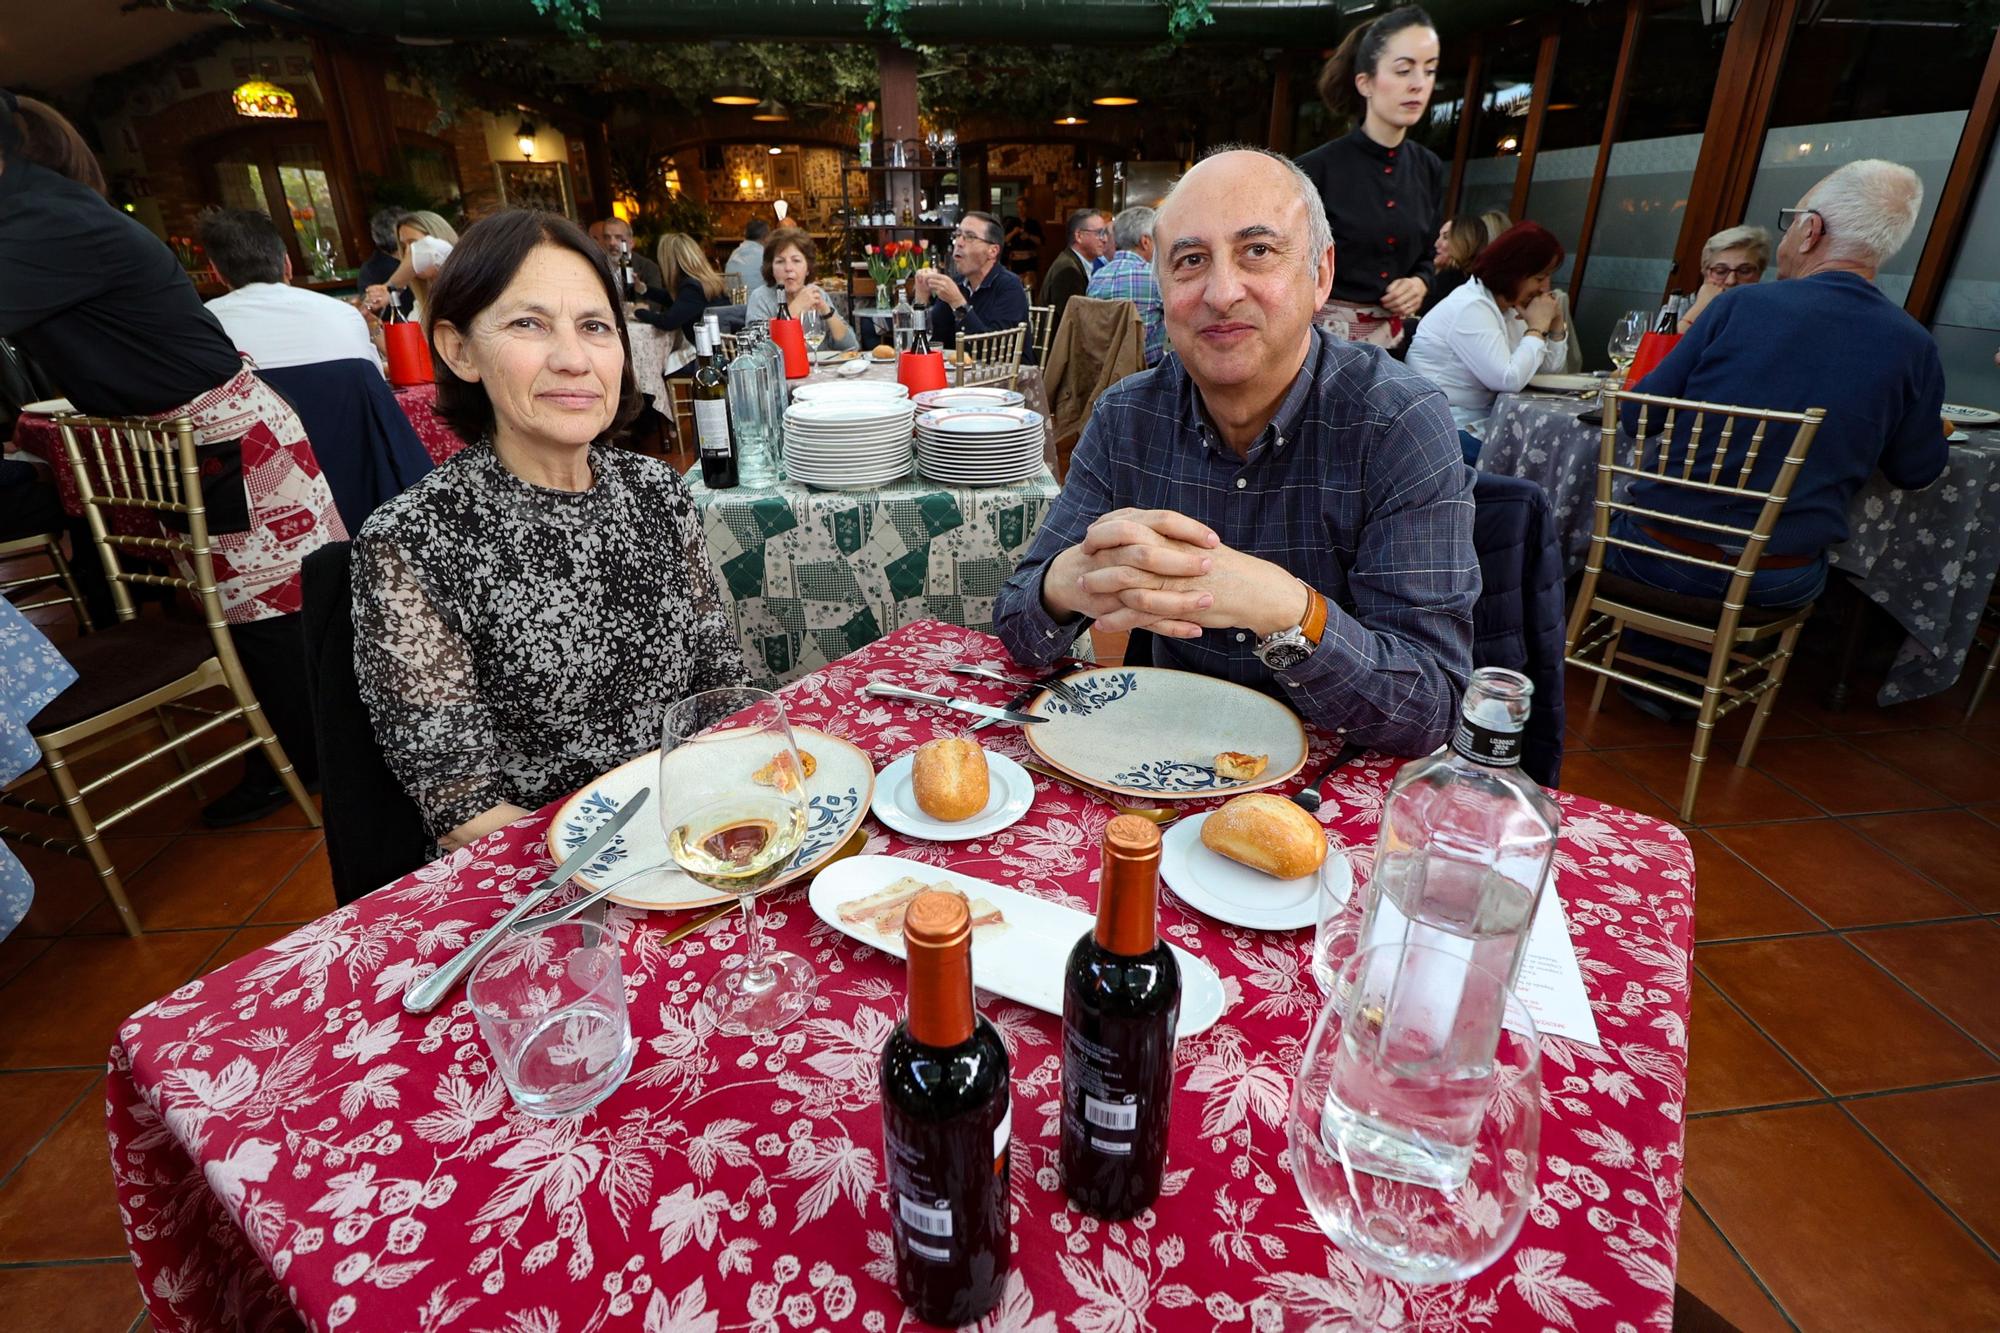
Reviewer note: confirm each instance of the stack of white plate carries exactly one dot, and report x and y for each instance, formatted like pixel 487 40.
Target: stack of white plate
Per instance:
pixel 979 446
pixel 823 391
pixel 972 395
pixel 848 444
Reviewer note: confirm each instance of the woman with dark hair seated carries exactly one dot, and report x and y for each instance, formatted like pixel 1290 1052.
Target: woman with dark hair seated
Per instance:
pixel 524 615
pixel 1497 331
pixel 788 283
pixel 108 313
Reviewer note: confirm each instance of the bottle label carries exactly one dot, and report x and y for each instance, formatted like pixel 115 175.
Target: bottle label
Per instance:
pixel 1502 749
pixel 1100 1100
pixel 711 424
pixel 921 1208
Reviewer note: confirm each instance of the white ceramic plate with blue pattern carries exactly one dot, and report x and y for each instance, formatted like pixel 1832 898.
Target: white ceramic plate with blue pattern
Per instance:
pixel 1155 732
pixel 841 787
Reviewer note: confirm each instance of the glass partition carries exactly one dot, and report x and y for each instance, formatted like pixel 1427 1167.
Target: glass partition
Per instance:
pixel 1647 176
pixel 1500 120
pixel 1865 78
pixel 1968 317
pixel 1573 125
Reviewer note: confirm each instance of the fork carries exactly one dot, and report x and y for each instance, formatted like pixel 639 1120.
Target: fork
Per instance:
pixel 1062 689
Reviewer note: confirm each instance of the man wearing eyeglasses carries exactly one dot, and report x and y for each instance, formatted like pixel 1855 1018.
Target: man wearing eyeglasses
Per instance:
pixel 1824 336
pixel 984 297
pixel 1733 257
pixel 1069 275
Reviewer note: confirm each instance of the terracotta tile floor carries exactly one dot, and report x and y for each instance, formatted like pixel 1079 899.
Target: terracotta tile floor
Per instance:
pixel 1844 1103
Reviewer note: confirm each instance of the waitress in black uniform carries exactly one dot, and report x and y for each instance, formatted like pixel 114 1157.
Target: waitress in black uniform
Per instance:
pixel 1384 195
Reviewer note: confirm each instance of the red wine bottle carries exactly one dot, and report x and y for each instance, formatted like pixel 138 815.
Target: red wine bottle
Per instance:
pixel 947 1116
pixel 1121 1001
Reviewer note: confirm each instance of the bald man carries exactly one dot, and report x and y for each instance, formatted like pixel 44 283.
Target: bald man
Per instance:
pixel 1280 508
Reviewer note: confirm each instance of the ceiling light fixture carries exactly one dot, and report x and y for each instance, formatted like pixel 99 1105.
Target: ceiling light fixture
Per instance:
pixel 1070 116
pixel 1114 99
pixel 771 110
pixel 734 94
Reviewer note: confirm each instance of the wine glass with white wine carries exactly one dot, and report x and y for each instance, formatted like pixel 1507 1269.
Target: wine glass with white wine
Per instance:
pixel 734 807
pixel 1626 335
pixel 813 325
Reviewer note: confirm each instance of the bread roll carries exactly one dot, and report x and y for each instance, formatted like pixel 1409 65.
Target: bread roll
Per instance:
pixel 1267 833
pixel 949 778
pixel 885 352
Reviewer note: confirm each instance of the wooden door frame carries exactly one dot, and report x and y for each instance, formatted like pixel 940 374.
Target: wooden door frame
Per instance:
pixel 1475 73
pixel 1959 194
pixel 1538 105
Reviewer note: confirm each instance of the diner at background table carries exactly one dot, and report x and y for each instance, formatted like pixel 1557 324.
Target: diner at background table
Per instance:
pixel 291 1148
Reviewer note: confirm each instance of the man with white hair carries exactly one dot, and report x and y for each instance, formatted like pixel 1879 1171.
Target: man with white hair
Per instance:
pixel 1278 507
pixel 1129 275
pixel 1822 336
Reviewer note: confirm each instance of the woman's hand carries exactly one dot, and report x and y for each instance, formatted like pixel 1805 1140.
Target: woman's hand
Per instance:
pixel 481 824
pixel 1709 291
pixel 1540 314
pixel 376 299
pixel 1405 296
pixel 816 300
pixel 1560 327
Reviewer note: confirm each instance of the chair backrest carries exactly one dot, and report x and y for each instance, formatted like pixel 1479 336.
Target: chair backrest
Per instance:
pixel 149 466
pixel 1707 450
pixel 991 358
pixel 1518 621
pixel 730 344
pixel 362 439
pixel 1041 319
pixel 374 832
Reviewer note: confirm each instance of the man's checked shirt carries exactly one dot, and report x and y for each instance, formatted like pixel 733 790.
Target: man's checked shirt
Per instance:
pixel 1129 278
pixel 1357 487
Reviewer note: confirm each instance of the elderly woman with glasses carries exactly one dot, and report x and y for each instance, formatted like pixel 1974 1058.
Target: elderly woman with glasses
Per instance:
pixel 524 615
pixel 979 294
pixel 1733 257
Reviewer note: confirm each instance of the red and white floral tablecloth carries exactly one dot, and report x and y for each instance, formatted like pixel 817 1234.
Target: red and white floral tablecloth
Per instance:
pixel 419 404
pixel 293 1151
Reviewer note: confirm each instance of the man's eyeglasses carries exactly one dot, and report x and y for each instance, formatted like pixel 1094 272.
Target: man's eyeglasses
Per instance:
pixel 1787 216
pixel 1742 272
pixel 1095 231
pixel 963 235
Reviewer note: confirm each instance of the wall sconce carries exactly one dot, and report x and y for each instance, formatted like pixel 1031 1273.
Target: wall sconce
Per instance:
pixel 743 184
pixel 524 138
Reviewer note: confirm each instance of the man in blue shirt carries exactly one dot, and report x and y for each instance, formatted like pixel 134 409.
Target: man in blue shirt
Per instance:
pixel 1822 336
pixel 1279 508
pixel 1129 276
pixel 984 297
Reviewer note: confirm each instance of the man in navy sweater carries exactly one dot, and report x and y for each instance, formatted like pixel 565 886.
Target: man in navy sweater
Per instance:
pixel 1824 337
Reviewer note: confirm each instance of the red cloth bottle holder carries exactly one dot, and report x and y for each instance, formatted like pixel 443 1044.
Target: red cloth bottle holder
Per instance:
pixel 409 354
pixel 1653 349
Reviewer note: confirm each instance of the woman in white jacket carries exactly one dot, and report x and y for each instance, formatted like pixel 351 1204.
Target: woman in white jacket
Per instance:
pixel 1498 330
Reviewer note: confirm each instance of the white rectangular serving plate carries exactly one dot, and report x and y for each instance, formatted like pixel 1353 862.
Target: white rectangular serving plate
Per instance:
pixel 1023 961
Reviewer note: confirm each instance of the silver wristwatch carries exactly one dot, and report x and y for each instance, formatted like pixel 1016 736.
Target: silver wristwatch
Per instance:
pixel 1285 649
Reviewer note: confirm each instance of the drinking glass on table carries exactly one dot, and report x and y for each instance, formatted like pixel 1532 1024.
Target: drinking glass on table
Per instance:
pixel 1416 1155
pixel 552 1006
pixel 813 325
pixel 1626 335
pixel 734 807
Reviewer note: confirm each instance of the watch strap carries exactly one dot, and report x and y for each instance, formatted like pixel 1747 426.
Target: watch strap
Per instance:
pixel 1314 625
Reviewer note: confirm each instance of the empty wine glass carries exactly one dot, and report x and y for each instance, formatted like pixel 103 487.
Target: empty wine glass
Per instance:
pixel 1362 1101
pixel 813 325
pixel 1626 336
pixel 734 807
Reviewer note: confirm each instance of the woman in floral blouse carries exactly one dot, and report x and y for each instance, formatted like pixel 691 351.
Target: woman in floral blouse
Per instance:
pixel 524 614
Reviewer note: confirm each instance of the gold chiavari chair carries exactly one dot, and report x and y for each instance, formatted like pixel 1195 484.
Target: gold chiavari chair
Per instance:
pixel 1703 450
pixel 59 583
pixel 991 358
pixel 730 343
pixel 129 675
pixel 1041 322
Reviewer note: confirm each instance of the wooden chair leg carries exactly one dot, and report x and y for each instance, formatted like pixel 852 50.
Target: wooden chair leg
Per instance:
pixel 57 767
pixel 1769 700
pixel 69 586
pixel 1704 724
pixel 1610 652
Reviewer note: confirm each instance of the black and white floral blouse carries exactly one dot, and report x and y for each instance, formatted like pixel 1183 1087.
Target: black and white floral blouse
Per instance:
pixel 513 642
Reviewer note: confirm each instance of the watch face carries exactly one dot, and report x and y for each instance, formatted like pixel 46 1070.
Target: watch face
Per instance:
pixel 1284 650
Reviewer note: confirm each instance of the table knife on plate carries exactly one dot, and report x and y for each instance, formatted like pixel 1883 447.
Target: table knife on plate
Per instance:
pixel 1028 692
pixel 957 705
pixel 425 992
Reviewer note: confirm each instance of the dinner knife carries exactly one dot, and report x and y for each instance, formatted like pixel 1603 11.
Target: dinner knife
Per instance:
pixel 957 705
pixel 425 992
pixel 1028 693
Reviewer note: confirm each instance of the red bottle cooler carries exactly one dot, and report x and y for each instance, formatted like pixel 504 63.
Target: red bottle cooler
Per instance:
pixel 791 340
pixel 409 354
pixel 1653 349
pixel 920 373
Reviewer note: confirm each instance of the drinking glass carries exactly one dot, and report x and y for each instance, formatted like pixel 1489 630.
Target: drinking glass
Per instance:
pixel 1337 933
pixel 813 325
pixel 1363 1085
pixel 1626 335
pixel 552 1005
pixel 734 807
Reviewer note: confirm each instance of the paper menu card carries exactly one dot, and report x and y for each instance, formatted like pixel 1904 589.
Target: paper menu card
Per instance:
pixel 1550 983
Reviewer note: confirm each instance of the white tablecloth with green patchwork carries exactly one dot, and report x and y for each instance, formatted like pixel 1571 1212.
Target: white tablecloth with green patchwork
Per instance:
pixel 813 575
